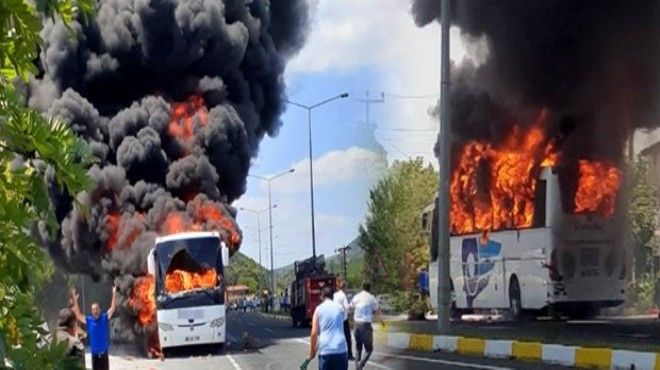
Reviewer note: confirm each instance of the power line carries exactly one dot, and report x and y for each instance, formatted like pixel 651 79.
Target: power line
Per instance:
pixel 401 129
pixel 412 97
pixel 395 147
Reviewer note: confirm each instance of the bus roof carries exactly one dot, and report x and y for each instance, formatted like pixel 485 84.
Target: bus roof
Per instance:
pixel 187 235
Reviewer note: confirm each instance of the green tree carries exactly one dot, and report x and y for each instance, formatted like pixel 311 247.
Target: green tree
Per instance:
pixel 29 144
pixel 391 232
pixel 644 207
pixel 242 270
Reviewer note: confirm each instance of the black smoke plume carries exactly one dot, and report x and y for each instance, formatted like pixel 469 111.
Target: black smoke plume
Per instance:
pixel 173 97
pixel 592 63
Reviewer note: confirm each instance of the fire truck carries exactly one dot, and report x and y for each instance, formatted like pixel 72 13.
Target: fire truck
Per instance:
pixel 311 278
pixel 566 263
pixel 189 315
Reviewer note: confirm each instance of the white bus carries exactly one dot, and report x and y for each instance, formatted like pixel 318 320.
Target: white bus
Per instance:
pixel 190 316
pixel 566 263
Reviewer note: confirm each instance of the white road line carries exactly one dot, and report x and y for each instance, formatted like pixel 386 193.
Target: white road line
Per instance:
pixel 269 330
pixel 420 359
pixel 444 362
pixel 234 363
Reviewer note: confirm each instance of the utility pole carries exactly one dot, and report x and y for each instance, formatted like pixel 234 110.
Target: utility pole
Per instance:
pixel 444 139
pixel 343 260
pixel 367 102
pixel 369 126
pixel 309 109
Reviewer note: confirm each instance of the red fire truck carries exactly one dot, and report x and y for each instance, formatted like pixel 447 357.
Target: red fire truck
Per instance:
pixel 311 278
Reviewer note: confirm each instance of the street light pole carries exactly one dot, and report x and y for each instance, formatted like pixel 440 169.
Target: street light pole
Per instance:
pixel 269 180
pixel 309 109
pixel 258 213
pixel 444 139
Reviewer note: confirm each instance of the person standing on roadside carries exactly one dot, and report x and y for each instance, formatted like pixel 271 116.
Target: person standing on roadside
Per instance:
pixel 98 329
pixel 341 300
pixel 327 337
pixel 364 305
pixel 67 332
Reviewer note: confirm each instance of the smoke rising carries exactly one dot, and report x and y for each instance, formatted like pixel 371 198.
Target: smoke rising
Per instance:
pixel 592 63
pixel 174 98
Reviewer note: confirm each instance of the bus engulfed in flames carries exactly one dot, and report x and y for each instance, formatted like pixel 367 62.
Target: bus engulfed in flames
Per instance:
pixel 492 186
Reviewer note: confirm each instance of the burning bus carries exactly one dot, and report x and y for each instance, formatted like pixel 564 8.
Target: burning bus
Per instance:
pixel 189 291
pixel 531 234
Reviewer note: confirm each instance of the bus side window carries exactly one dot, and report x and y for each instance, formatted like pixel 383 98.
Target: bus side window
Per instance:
pixel 540 204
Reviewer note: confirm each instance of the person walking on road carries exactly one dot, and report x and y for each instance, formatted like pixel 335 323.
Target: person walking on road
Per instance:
pixel 98 329
pixel 327 337
pixel 364 305
pixel 341 300
pixel 67 332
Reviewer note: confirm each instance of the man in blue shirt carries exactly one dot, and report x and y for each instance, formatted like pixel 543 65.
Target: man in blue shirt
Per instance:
pixel 423 282
pixel 327 337
pixel 98 329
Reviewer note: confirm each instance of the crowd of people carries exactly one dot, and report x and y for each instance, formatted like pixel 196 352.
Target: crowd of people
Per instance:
pixel 331 335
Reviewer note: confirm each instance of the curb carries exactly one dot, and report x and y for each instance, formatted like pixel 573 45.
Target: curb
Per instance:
pixel 599 358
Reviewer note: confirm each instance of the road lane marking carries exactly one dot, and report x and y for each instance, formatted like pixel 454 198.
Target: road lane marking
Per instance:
pixel 444 362
pixel 269 330
pixel 234 363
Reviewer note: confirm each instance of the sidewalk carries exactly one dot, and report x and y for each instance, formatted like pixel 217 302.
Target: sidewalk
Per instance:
pixel 599 344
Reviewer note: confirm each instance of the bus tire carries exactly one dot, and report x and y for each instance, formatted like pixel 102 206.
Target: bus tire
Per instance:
pixel 515 304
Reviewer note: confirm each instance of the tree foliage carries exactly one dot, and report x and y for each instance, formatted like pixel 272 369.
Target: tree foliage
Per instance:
pixel 29 146
pixel 644 208
pixel 242 270
pixel 391 233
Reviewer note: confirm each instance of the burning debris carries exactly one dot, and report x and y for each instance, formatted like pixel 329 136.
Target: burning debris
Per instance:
pixel 173 98
pixel 564 83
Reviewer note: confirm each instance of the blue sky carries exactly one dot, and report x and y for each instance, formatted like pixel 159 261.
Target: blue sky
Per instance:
pixel 350 49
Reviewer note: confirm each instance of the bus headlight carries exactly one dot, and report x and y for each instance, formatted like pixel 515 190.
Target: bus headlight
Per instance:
pixel 165 327
pixel 218 322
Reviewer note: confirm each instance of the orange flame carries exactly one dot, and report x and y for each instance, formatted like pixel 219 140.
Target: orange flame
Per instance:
pixel 182 117
pixel 597 188
pixel 117 231
pixel 143 300
pixel 180 280
pixel 492 188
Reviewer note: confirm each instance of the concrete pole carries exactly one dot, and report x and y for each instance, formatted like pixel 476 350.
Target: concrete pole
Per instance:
pixel 444 139
pixel 311 185
pixel 270 221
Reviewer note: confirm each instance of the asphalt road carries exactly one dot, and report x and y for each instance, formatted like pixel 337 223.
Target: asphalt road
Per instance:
pixel 282 347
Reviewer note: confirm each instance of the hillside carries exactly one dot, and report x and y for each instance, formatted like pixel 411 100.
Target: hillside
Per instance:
pixel 285 274
pixel 244 270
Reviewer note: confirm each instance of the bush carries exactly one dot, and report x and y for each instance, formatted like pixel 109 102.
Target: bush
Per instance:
pixel 410 303
pixel 643 296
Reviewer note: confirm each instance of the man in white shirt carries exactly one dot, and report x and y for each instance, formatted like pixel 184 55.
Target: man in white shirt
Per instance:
pixel 340 299
pixel 364 305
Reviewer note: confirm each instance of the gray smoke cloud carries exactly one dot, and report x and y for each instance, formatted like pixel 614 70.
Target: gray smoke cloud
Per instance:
pixel 174 98
pixel 591 63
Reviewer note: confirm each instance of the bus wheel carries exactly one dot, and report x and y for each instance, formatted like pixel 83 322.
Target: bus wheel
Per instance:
pixel 515 304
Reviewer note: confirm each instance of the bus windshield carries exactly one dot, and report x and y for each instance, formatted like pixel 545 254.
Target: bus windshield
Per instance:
pixel 189 272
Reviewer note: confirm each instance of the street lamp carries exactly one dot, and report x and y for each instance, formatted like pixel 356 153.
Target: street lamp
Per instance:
pixel 258 213
pixel 270 219
pixel 309 109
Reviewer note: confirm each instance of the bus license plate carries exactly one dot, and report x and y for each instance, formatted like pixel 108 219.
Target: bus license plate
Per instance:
pixel 194 338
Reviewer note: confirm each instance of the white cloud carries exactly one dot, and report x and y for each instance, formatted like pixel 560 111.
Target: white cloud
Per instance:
pixel 334 167
pixel 349 35
pixel 356 167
